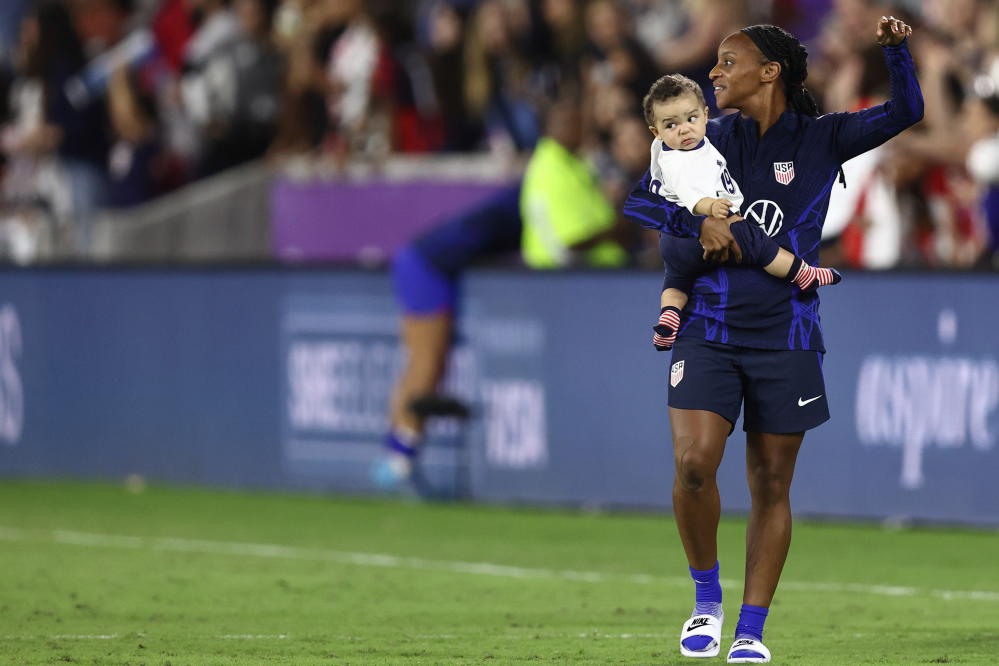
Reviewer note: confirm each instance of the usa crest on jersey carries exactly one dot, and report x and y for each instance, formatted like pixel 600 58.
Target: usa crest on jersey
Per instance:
pixel 676 374
pixel 784 172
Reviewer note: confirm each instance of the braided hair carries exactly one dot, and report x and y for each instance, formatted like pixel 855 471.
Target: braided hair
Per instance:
pixel 780 46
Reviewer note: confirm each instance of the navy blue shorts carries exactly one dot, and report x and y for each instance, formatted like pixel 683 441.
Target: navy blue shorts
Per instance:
pixel 421 287
pixel 782 390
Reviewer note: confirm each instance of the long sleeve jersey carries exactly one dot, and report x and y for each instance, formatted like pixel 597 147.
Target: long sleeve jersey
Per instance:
pixel 786 177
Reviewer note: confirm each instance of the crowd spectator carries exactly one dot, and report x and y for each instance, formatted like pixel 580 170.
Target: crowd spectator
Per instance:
pixel 133 159
pixel 234 97
pixel 11 13
pixel 221 82
pixel 497 82
pixel 56 151
pixel 983 157
pixel 444 42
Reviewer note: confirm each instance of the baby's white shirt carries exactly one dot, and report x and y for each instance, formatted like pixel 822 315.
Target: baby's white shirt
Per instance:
pixel 687 176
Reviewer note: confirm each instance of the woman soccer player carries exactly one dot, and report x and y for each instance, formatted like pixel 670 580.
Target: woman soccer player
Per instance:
pixel 749 338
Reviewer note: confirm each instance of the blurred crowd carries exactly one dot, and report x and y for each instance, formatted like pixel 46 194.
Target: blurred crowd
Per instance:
pixel 109 103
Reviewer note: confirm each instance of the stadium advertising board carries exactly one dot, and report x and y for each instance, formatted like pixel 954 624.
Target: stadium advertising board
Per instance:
pixel 11 389
pixel 341 355
pixel 281 379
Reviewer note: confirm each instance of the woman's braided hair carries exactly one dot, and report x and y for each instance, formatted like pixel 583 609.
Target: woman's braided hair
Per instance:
pixel 778 45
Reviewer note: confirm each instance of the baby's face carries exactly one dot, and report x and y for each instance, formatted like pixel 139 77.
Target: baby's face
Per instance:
pixel 680 122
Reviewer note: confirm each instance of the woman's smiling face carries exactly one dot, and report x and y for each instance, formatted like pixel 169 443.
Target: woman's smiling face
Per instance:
pixel 736 75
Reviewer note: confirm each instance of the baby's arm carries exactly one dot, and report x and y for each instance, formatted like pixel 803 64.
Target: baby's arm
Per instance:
pixel 713 207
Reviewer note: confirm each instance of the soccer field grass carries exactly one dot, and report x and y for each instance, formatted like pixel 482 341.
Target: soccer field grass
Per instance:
pixel 95 574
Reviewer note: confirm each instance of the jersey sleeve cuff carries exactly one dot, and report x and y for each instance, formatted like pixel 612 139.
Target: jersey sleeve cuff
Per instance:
pixel 901 46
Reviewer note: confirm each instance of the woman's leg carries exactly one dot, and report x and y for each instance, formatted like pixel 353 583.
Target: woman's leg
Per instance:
pixel 428 298
pixel 698 444
pixel 770 461
pixel 427 339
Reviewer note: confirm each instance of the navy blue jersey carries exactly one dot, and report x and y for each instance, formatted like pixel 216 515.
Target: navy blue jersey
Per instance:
pixel 786 177
pixel 490 228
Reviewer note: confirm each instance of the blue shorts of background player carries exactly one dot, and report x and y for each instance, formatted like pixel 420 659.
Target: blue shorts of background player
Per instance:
pixel 425 271
pixel 420 286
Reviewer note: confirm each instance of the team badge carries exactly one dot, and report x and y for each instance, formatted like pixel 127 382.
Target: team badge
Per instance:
pixel 676 374
pixel 784 172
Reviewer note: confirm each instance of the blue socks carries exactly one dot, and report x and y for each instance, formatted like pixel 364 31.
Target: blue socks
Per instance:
pixel 707 591
pixel 751 619
pixel 708 597
pixel 401 442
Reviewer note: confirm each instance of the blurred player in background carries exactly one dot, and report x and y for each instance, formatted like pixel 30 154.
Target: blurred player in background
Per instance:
pixel 751 338
pixel 425 276
pixel 557 217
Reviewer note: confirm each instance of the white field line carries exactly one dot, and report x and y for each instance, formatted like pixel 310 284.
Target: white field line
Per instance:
pixel 250 637
pixel 72 637
pixel 253 637
pixel 266 550
pixel 111 637
pixel 93 637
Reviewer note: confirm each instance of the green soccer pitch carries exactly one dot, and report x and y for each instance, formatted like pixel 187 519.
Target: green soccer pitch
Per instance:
pixel 98 574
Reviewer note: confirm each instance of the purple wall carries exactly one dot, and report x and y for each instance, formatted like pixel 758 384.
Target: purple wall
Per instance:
pixel 348 221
